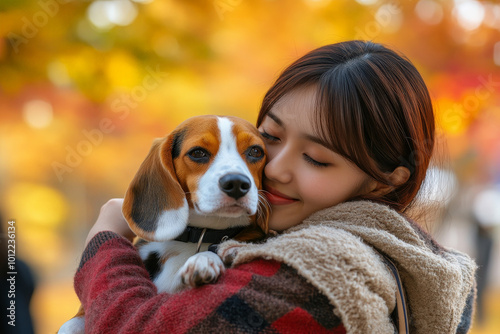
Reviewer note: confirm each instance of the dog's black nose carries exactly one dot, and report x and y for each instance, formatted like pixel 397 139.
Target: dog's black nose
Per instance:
pixel 235 185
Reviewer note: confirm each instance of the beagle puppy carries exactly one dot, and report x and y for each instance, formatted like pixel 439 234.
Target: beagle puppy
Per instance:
pixel 197 187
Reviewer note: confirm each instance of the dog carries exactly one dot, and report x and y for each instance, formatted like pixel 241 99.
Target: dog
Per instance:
pixel 197 187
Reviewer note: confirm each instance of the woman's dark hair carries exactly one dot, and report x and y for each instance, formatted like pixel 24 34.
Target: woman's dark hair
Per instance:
pixel 373 108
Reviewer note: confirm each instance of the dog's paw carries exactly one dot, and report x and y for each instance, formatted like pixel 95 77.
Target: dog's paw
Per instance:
pixel 229 255
pixel 201 268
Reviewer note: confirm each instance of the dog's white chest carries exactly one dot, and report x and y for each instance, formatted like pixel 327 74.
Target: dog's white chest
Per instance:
pixel 175 265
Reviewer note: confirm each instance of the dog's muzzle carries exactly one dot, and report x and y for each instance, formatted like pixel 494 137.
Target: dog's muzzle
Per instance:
pixel 235 185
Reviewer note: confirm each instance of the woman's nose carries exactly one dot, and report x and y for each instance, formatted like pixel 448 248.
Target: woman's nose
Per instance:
pixel 279 166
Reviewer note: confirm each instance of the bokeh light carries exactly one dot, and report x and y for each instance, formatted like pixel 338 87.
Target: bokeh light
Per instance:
pixel 429 11
pixel 469 13
pixel 367 2
pixel 38 113
pixel 105 14
pixel 487 208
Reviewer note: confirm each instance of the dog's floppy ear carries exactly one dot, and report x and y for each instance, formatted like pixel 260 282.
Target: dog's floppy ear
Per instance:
pixel 155 205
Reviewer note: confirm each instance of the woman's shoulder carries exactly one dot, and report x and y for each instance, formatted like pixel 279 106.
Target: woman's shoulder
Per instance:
pixel 430 273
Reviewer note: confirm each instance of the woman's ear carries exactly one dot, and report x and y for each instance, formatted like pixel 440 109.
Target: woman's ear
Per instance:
pixel 398 177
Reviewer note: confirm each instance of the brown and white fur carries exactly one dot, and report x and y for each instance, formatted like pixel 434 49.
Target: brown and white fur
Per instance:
pixel 207 173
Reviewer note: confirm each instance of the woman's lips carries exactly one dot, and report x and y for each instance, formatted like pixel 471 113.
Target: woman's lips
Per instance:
pixel 276 198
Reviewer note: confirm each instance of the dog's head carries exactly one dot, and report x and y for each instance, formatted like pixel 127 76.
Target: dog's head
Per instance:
pixel 210 165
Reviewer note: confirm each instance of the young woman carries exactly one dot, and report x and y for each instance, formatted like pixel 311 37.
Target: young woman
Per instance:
pixel 349 130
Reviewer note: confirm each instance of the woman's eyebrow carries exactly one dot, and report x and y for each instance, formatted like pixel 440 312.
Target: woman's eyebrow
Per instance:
pixel 275 118
pixel 319 141
pixel 306 136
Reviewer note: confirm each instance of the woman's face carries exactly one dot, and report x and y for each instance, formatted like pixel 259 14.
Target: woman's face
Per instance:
pixel 302 175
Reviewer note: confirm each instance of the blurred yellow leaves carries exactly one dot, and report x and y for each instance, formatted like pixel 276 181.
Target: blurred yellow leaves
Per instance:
pixel 40 212
pixel 455 116
pixel 9 19
pixel 168 12
pixel 35 205
pixel 451 117
pixel 122 70
pixel 181 96
pixel 84 68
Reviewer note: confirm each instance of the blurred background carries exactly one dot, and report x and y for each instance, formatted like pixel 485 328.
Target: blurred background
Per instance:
pixel 85 87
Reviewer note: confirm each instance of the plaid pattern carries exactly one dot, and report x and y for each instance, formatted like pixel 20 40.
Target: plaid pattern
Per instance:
pixel 257 297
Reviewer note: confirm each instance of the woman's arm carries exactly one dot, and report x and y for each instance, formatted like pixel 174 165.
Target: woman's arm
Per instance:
pixel 111 219
pixel 118 296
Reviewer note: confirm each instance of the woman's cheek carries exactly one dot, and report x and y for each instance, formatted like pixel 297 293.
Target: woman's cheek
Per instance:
pixel 322 192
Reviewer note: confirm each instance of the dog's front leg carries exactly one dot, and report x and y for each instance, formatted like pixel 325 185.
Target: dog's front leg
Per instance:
pixel 201 268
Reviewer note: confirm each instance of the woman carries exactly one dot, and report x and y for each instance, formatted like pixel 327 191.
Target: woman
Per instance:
pixel 349 130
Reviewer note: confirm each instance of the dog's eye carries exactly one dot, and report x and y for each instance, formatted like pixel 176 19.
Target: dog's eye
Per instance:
pixel 199 155
pixel 254 153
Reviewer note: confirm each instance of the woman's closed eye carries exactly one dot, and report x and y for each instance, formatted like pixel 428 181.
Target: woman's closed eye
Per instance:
pixel 315 162
pixel 269 137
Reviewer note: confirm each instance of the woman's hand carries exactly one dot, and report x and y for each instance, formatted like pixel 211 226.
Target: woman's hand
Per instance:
pixel 111 219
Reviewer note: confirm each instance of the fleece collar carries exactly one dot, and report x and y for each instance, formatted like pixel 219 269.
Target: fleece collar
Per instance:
pixel 337 250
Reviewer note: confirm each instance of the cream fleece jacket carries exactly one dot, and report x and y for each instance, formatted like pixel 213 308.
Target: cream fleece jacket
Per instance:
pixel 334 250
